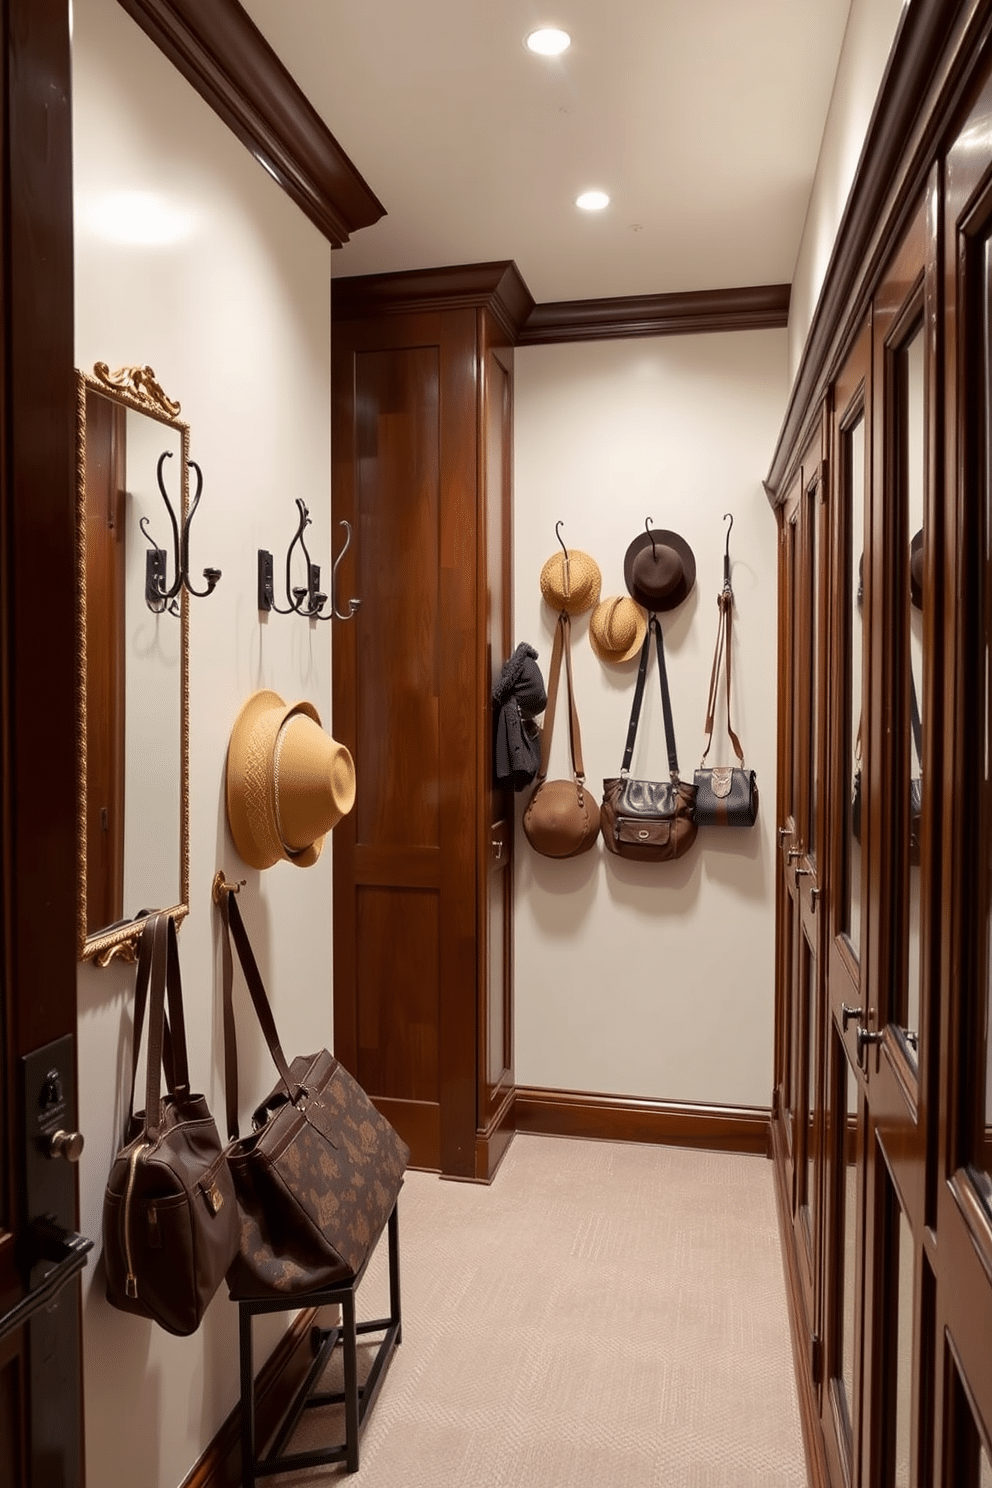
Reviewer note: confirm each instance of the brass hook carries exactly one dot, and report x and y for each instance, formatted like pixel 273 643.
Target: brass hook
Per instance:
pixel 221 885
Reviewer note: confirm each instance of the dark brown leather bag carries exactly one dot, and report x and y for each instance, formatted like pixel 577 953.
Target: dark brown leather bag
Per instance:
pixel 650 821
pixel 726 795
pixel 170 1221
pixel 317 1178
pixel 562 818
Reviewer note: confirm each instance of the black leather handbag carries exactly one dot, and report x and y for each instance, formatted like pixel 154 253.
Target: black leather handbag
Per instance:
pixel 649 820
pixel 726 795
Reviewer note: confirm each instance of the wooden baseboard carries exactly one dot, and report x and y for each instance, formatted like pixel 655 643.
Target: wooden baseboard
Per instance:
pixel 622 1118
pixel 809 1413
pixel 276 1385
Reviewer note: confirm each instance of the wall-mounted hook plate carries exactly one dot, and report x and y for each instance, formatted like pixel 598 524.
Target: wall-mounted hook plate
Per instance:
pixel 266 593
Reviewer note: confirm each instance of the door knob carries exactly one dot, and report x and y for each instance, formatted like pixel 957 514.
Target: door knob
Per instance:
pixel 866 1037
pixel 66 1144
pixel 814 895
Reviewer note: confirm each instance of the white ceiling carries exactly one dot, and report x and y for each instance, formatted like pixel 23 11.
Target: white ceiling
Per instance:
pixel 701 118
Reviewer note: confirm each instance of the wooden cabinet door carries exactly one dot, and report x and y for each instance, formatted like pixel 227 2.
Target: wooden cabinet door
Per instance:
pixel 964 904
pixel 846 921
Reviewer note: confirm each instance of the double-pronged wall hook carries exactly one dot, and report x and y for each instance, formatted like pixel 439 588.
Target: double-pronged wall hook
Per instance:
pixel 160 596
pixel 308 599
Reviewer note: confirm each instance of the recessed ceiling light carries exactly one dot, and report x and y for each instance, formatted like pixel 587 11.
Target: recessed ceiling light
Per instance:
pixel 549 41
pixel 592 201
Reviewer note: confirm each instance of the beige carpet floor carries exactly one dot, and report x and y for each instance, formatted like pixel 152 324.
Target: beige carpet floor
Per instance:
pixel 604 1315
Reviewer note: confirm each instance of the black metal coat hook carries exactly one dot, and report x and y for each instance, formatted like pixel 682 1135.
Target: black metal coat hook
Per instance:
pixel 159 596
pixel 654 540
pixel 308 600
pixel 727 517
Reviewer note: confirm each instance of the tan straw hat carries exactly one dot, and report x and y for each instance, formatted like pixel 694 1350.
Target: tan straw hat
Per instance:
pixel 571 583
pixel 288 782
pixel 617 628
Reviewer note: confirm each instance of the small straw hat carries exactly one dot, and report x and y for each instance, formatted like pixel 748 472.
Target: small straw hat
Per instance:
pixel 288 782
pixel 617 628
pixel 571 583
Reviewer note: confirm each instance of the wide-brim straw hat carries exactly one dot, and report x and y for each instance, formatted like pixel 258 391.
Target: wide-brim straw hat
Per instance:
pixel 617 628
pixel 571 582
pixel 288 782
pixel 659 569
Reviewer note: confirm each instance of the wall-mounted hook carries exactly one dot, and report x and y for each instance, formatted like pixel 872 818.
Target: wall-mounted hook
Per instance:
pixel 651 535
pixel 353 604
pixel 308 600
pixel 160 596
pixel 727 517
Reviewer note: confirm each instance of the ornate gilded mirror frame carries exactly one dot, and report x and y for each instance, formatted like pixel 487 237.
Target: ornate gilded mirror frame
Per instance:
pixel 132 388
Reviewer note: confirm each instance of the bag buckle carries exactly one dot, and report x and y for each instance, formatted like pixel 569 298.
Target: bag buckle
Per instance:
pixel 214 1198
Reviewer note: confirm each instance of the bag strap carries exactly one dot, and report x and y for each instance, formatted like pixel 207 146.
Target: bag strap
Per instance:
pixel 158 977
pixel 724 648
pixel 562 645
pixel 914 718
pixel 666 703
pixel 237 935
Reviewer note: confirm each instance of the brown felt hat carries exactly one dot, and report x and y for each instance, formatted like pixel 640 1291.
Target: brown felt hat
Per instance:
pixel 916 570
pixel 571 583
pixel 659 569
pixel 617 628
pixel 288 782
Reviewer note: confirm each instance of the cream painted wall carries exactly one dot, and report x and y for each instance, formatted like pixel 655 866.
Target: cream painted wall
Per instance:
pixel 652 980
pixel 871 30
pixel 233 313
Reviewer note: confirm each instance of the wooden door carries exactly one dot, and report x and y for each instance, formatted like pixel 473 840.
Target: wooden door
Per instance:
pixel 898 1045
pixel 495 1011
pixel 40 1367
pixel 963 1326
pixel 406 686
pixel 804 573
pixel 851 840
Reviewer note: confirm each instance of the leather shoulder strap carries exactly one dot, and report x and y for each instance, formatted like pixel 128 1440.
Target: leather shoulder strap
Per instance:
pixel 236 934
pixel 724 649
pixel 654 626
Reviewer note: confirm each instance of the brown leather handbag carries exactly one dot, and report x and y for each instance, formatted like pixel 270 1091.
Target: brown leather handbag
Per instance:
pixel 562 817
pixel 319 1174
pixel 170 1220
pixel 647 820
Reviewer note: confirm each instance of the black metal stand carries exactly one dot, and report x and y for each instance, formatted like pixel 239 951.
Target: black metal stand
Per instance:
pixel 357 1399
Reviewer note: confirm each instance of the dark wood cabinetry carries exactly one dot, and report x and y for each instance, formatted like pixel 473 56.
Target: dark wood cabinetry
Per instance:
pixel 883 1101
pixel 422 431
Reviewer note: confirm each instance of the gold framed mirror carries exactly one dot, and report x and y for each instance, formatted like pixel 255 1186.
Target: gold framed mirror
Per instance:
pixel 133 661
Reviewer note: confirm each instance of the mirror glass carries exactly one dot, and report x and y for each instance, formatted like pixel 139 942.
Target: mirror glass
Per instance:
pixel 854 492
pixel 134 843
pixel 909 444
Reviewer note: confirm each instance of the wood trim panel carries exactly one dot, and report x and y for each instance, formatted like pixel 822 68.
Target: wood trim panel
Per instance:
pixel 758 307
pixel 220 51
pixel 622 1118
pixel 275 1385
pixel 935 49
pixel 809 1411
pixel 497 287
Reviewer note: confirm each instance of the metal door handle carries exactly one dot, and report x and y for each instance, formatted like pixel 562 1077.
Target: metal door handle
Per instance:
pixel 498 846
pixel 803 872
pixel 793 853
pixel 814 895
pixel 847 1013
pixel 865 1038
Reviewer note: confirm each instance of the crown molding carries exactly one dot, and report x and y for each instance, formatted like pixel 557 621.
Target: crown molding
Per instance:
pixel 220 51
pixel 937 49
pixel 495 286
pixel 758 307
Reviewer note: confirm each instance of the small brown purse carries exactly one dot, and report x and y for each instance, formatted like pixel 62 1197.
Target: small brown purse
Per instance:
pixel 562 818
